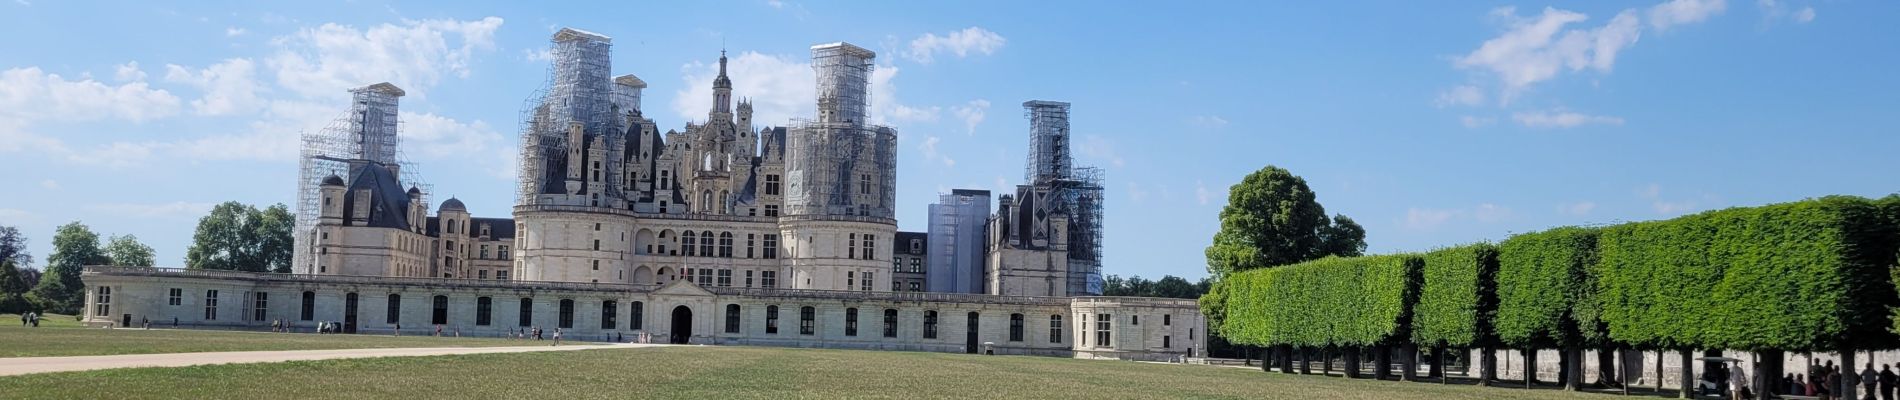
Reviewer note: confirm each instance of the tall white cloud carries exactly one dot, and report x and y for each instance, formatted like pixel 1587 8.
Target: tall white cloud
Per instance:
pixel 972 114
pixel 229 87
pixel 960 43
pixel 322 62
pixel 1538 48
pixel 1679 12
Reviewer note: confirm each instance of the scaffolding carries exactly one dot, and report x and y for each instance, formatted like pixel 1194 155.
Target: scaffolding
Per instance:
pixel 840 164
pixel 1082 198
pixel 578 89
pixel 1048 157
pixel 367 133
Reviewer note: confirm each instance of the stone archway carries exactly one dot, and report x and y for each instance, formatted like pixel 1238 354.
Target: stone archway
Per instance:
pixel 643 276
pixel 682 329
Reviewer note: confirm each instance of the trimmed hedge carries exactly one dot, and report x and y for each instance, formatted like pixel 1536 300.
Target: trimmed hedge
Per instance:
pixel 1457 300
pixel 1543 296
pixel 1802 276
pixel 1358 301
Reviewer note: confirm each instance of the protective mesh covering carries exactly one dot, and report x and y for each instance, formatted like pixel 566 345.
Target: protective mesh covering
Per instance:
pixel 579 89
pixel 840 164
pixel 366 133
pixel 1048 157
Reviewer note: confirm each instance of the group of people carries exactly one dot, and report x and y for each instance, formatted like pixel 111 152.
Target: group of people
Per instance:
pixel 30 318
pixel 535 334
pixel 1829 383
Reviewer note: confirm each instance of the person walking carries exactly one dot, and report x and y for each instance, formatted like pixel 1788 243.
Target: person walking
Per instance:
pixel 1737 382
pixel 1887 380
pixel 1867 380
pixel 557 336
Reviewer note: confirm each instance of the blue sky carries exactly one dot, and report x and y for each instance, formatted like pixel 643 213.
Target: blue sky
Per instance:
pixel 1431 123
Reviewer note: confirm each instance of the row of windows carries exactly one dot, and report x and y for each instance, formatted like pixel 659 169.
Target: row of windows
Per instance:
pixel 807 322
pixel 916 264
pixel 702 244
pixel 724 277
pixel 869 246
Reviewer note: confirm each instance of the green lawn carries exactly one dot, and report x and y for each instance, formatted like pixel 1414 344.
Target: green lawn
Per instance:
pixel 61 335
pixel 728 372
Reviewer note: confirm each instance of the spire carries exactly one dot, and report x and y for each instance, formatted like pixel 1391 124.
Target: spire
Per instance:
pixel 722 82
pixel 722 89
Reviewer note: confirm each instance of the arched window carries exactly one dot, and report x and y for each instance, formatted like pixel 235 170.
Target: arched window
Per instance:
pixel 484 309
pixel 807 320
pixel 686 243
pixel 1015 327
pixel 567 314
pixel 309 311
pixel 608 310
pixel 706 244
pixel 639 315
pixel 850 322
pixel 527 313
pixel 771 319
pixel 890 322
pixel 725 244
pixel 705 201
pixel 930 324
pixel 732 318
pixel 721 205
pixel 1055 328
pixel 440 308
pixel 394 314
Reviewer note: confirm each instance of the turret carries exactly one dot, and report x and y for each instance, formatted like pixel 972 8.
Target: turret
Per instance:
pixel 722 89
pixel 332 193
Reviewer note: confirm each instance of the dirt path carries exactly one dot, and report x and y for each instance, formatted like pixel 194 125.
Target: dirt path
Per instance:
pixel 35 365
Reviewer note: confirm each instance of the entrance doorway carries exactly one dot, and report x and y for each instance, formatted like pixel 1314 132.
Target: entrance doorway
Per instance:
pixel 682 325
pixel 969 337
pixel 349 313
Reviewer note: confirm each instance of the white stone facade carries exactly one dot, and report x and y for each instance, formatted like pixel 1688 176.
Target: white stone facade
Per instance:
pixel 1137 328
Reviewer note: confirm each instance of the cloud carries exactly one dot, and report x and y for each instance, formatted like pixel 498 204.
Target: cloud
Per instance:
pixel 30 95
pixel 1201 193
pixel 129 72
pixel 961 43
pixel 1136 194
pixel 229 87
pixel 1538 48
pixel 1805 15
pixel 436 136
pixel 177 209
pixel 775 3
pixel 1476 122
pixel 901 112
pixel 544 54
pixel 1094 146
pixel 1775 10
pixel 1463 95
pixel 322 62
pixel 1427 219
pixel 1562 119
pixel 1208 121
pixel 1679 12
pixel 929 148
pixel 972 114
pixel 780 88
pixel 49 184
pixel 234 32
pixel 1578 208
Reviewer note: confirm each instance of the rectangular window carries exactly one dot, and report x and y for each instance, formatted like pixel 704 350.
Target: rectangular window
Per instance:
pixel 1015 327
pixel 869 277
pixel 211 305
pixel 749 244
pixel 608 310
pixel 851 322
pixel 705 277
pixel 807 320
pixel 103 301
pixel 725 278
pixel 914 287
pixel 768 279
pixel 1055 328
pixel 393 315
pixel 850 279
pixel 864 184
pixel 732 318
pixel 177 296
pixel 1104 328
pixel 502 275
pixel 484 252
pixel 1134 320
pixel 482 274
pixel 484 311
pixel 771 246
pixel 771 319
pixel 771 210
pixel 851 246
pixel 502 253
pixel 1165 343
pixel 870 247
pixel 639 316
pixel 748 279
pixel 260 303
pixel 1167 319
pixel 439 310
pixel 771 184
pixel 890 323
pixel 309 308
pixel 567 314
pixel 930 324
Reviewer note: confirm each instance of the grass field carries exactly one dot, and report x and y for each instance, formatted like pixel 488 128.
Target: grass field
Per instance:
pixel 728 372
pixel 61 335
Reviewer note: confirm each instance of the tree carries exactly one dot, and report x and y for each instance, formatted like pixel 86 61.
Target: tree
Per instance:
pixel 74 247
pixel 13 288
pixel 1272 219
pixel 274 238
pixel 127 251
pixel 239 237
pixel 13 247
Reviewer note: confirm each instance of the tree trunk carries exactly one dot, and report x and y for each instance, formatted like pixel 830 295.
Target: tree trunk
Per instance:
pixel 1850 382
pixel 1326 361
pixel 1489 362
pixel 1408 359
pixel 1285 359
pixel 1607 368
pixel 1306 361
pixel 1565 356
pixel 1352 362
pixel 1687 383
pixel 1382 362
pixel 1530 368
pixel 1623 368
pixel 1768 369
pixel 1659 370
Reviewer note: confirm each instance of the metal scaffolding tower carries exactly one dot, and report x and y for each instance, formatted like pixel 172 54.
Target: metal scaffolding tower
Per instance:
pixel 1075 191
pixel 840 164
pixel 1048 157
pixel 579 90
pixel 367 133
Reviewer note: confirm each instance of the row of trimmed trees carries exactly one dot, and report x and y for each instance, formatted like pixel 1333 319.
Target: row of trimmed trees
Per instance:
pixel 1808 276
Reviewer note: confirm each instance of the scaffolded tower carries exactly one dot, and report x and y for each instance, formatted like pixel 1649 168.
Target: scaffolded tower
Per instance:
pixel 840 164
pixel 1075 191
pixel 579 90
pixel 367 133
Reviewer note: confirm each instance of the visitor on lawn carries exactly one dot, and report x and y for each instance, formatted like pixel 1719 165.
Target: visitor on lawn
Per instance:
pixel 1867 380
pixel 1887 380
